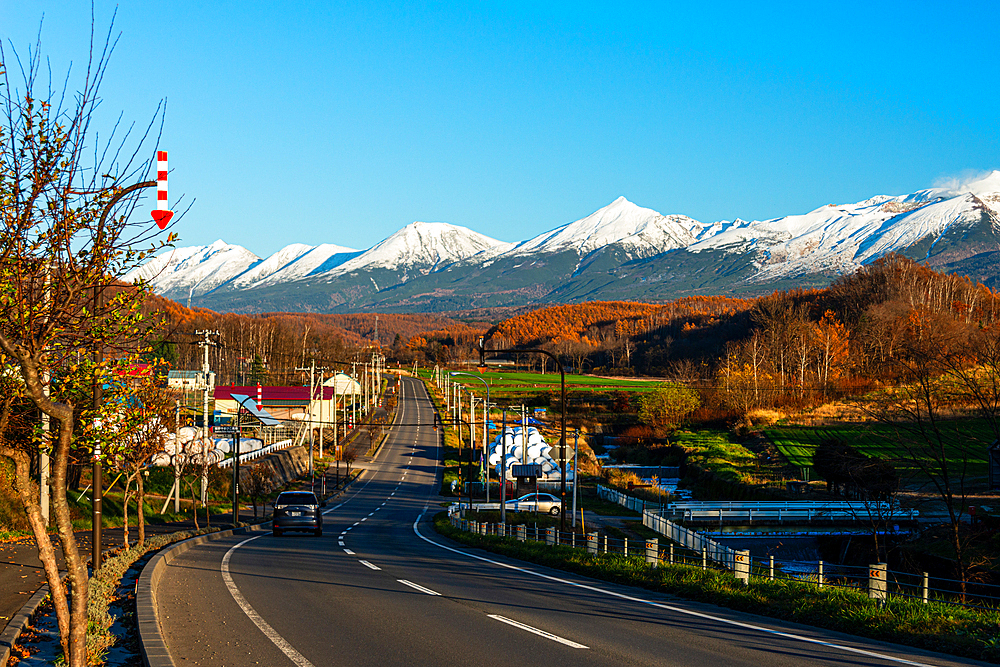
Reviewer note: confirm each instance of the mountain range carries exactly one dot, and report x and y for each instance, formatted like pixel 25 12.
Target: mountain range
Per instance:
pixel 620 252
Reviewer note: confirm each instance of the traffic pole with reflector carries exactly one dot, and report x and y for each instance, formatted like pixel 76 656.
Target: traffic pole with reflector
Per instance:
pixel 877 583
pixel 741 566
pixel 161 215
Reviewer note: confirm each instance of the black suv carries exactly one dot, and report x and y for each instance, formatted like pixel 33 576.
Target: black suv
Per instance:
pixel 297 510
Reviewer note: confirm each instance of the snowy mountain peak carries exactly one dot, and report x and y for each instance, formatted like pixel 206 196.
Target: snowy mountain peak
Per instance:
pixel 194 271
pixel 421 245
pixel 641 231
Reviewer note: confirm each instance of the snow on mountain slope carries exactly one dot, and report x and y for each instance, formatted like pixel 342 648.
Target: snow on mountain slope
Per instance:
pixel 271 265
pixel 195 271
pixel 295 262
pixel 985 186
pixel 641 231
pixel 840 238
pixel 420 246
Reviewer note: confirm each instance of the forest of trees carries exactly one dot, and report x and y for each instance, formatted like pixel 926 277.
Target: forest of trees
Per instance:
pixel 790 347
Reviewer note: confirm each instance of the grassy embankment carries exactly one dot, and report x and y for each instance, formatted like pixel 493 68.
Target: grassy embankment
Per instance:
pixel 937 627
pixel 798 443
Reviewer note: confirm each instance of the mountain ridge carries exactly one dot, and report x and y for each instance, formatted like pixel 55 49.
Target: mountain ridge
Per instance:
pixel 621 251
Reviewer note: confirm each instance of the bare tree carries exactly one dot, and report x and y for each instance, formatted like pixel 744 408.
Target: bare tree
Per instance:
pixel 258 483
pixel 65 236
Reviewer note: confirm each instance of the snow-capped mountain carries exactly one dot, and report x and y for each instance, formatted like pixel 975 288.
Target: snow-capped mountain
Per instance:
pixel 295 262
pixel 417 249
pixel 642 232
pixel 841 238
pixel 421 247
pixel 195 271
pixel 621 251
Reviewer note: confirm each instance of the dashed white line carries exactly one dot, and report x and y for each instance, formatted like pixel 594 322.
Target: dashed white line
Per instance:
pixel 369 565
pixel 417 587
pixel 668 607
pixel 540 633
pixel 348 552
pixel 364 518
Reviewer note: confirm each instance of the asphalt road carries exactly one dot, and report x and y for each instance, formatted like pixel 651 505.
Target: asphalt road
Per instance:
pixel 382 588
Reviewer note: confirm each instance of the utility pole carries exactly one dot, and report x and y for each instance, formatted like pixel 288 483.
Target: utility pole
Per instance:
pixel 209 379
pixel 312 394
pixel 322 400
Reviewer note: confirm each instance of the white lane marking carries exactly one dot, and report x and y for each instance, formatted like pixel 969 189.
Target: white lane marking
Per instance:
pixel 371 513
pixel 540 633
pixel 417 587
pixel 369 565
pixel 252 614
pixel 364 518
pixel 340 543
pixel 660 605
pixel 355 523
pixel 348 552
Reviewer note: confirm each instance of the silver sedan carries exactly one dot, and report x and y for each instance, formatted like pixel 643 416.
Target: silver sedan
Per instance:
pixel 536 502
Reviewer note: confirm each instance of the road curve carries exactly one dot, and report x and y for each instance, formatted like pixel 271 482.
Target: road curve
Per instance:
pixel 382 588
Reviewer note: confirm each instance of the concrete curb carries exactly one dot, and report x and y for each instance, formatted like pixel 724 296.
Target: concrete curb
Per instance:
pixel 20 620
pixel 151 643
pixel 152 646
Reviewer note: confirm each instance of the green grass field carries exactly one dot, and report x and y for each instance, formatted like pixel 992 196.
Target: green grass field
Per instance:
pixel 504 380
pixel 715 450
pixel 966 439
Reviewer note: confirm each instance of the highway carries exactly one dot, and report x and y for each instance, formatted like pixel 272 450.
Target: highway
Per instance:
pixel 380 587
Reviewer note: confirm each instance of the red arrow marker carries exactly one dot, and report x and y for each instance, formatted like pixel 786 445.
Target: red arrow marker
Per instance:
pixel 162 218
pixel 161 215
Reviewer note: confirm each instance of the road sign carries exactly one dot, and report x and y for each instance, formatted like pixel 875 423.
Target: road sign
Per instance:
pixel 526 470
pixel 225 430
pixel 161 215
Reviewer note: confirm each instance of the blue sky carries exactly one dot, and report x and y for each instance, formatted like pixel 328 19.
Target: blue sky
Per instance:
pixel 340 122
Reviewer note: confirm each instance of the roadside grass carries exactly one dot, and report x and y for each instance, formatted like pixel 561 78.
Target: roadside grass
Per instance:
pixel 799 443
pixel 453 469
pixel 937 627
pixel 592 503
pixel 111 511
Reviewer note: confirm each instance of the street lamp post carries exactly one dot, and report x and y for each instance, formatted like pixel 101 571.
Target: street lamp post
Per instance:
pixel 562 393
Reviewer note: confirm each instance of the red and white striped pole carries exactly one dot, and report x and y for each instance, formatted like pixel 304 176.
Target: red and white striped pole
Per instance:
pixel 161 215
pixel 260 400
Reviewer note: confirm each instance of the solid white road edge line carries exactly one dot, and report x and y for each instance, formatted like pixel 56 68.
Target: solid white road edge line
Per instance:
pixel 540 633
pixel 369 565
pixel 660 605
pixel 417 587
pixel 252 614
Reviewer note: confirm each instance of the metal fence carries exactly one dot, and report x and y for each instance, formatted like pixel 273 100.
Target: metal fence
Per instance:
pixel 257 453
pixel 875 580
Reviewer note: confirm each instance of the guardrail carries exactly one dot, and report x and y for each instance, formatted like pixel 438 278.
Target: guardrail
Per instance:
pixel 876 580
pixel 786 510
pixel 257 453
pixel 689 539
